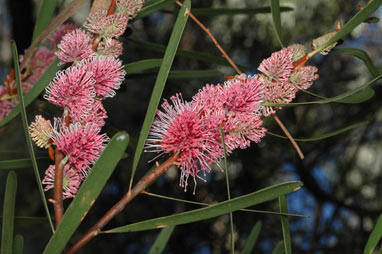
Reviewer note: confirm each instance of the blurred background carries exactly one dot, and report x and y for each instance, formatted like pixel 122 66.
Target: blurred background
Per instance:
pixel 342 175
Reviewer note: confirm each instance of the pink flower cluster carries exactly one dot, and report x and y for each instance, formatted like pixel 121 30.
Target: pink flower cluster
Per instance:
pixel 234 107
pixel 93 74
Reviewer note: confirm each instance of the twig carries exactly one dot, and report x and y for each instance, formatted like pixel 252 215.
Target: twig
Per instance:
pixel 121 204
pixel 285 130
pixel 58 183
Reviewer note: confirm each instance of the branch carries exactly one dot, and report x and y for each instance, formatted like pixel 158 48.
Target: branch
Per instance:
pixel 58 183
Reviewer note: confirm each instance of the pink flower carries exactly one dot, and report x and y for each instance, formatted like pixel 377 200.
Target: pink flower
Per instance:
pixel 180 128
pixel 96 114
pixel 111 47
pixel 42 59
pixel 107 27
pixel 304 77
pixel 243 95
pixel 6 106
pixel 81 144
pixel 56 37
pixel 108 74
pixel 130 8
pixel 71 181
pixel 74 47
pixel 209 98
pixel 278 66
pixel 72 89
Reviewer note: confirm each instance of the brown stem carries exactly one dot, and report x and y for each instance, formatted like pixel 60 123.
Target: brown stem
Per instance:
pixel 213 39
pixel 285 130
pixel 58 183
pixel 121 204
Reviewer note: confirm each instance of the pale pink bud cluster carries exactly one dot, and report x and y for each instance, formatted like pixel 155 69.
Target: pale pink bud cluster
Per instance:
pixel 192 129
pixel 79 90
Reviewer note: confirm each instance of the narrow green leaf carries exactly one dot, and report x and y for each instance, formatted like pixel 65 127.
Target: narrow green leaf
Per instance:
pixel 332 99
pixel 153 6
pixel 44 17
pixel 203 57
pixel 24 118
pixel 9 214
pixel 20 163
pixel 323 136
pixel 374 237
pixel 357 19
pixel 360 97
pixel 276 16
pixel 205 204
pixel 29 219
pixel 18 244
pixel 193 74
pixel 235 11
pixel 279 248
pixel 161 240
pixel 228 189
pixel 88 192
pixel 361 54
pixel 161 81
pixel 35 91
pixel 142 65
pixel 285 225
pixel 252 238
pixel 212 211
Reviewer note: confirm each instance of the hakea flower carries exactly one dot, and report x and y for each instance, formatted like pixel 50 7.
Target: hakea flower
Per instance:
pixel 56 37
pixel 129 8
pixel 320 41
pixel 304 77
pixel 81 144
pixel 278 66
pixel 97 115
pixel 179 128
pixel 299 51
pixel 94 18
pixel 71 180
pixel 41 132
pixel 74 47
pixel 110 47
pixel 6 105
pixel 107 72
pixel 42 59
pixel 73 89
pixel 107 27
pixel 209 98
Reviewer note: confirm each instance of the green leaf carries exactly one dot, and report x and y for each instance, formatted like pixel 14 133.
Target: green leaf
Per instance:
pixel 194 74
pixel 18 244
pixel 35 91
pixel 235 11
pixel 24 118
pixel 160 82
pixel 29 219
pixel 9 213
pixel 203 57
pixel 142 65
pixel 332 99
pixel 153 6
pixel 279 248
pixel 374 237
pixel 20 163
pixel 285 225
pixel 357 19
pixel 360 97
pixel 252 238
pixel 275 9
pixel 212 211
pixel 88 192
pixel 161 240
pixel 322 136
pixel 374 71
pixel 44 17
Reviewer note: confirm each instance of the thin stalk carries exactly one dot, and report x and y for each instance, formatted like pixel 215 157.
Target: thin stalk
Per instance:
pixel 285 130
pixel 121 204
pixel 58 186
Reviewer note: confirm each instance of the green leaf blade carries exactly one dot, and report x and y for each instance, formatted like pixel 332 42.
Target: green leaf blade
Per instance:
pixel 236 11
pixel 252 238
pixel 161 240
pixel 161 81
pixel 285 225
pixel 374 237
pixel 142 65
pixel 18 244
pixel 44 17
pixel 20 163
pixel 153 6
pixel 276 16
pixel 212 211
pixel 361 54
pixel 9 214
pixel 88 192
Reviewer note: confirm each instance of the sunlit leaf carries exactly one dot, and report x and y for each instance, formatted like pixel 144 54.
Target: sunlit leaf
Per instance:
pixel 88 192
pixel 160 82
